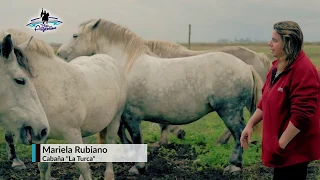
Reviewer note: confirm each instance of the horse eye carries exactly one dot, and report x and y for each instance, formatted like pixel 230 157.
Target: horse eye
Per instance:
pixel 20 81
pixel 75 36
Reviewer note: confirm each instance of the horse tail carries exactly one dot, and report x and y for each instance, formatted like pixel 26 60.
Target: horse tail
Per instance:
pixel 256 92
pixel 256 97
pixel 267 62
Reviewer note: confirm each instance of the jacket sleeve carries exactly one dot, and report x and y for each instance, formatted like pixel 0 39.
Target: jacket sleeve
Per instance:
pixel 304 92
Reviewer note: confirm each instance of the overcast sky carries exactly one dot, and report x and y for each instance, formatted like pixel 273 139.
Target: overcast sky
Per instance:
pixel 210 20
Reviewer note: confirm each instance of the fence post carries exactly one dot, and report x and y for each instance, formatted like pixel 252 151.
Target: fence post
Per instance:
pixel 189 36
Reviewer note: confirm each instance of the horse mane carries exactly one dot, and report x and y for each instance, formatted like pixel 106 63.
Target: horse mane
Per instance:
pixel 267 62
pixel 165 48
pixel 37 45
pixel 21 58
pixel 134 45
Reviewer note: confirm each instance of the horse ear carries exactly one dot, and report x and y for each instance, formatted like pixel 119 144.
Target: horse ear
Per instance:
pixel 24 45
pixel 7 46
pixel 96 24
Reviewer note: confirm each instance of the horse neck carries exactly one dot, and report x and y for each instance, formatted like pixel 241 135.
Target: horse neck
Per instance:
pixel 117 52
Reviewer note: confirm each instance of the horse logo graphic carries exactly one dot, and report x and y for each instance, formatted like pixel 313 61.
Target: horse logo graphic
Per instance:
pixel 45 22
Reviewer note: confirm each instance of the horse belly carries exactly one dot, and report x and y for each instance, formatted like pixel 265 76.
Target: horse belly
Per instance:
pixel 103 110
pixel 176 112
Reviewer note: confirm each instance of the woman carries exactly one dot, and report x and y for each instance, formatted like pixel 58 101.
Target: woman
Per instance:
pixel 289 107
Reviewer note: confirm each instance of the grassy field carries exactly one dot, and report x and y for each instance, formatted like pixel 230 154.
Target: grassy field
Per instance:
pixel 201 135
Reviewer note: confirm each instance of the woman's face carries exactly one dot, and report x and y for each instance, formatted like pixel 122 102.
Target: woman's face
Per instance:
pixel 276 45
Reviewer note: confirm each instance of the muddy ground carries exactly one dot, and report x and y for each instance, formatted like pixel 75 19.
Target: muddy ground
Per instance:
pixel 160 166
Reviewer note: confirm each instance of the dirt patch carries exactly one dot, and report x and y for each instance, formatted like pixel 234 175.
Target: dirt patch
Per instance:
pixel 175 162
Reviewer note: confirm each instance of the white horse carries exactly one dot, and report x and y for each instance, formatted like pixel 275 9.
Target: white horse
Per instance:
pixel 21 111
pixel 80 98
pixel 166 49
pixel 172 91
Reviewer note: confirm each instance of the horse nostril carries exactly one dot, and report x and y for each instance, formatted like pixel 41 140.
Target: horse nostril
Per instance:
pixel 44 132
pixel 58 54
pixel 28 133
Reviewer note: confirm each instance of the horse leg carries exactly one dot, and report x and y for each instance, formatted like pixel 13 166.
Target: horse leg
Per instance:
pixel 163 136
pixel 108 135
pixel 85 140
pixel 177 130
pixel 232 120
pixel 224 138
pixel 16 162
pixel 133 126
pixel 45 169
pixel 75 137
pixel 122 134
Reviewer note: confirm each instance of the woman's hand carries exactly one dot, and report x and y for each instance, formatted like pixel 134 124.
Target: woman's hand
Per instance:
pixel 247 132
pixel 246 136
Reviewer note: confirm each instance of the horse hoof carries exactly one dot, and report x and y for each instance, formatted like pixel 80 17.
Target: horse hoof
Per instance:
pixel 17 164
pixel 133 171
pixel 52 178
pixel 181 134
pixel 232 169
pixel 81 177
pixel 137 169
pixel 19 167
